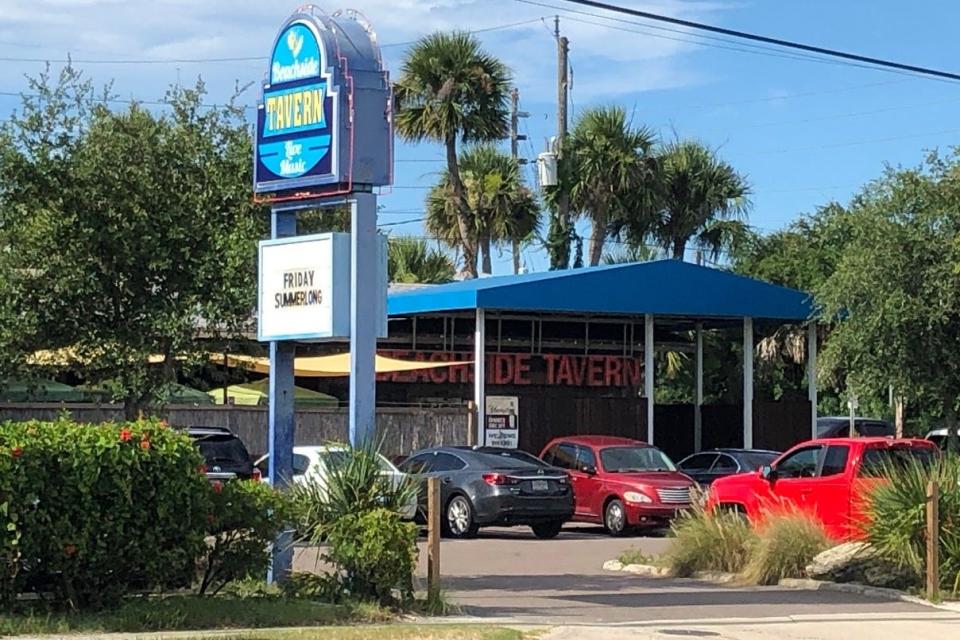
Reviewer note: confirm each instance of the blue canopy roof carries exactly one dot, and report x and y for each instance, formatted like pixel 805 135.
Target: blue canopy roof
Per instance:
pixel 663 287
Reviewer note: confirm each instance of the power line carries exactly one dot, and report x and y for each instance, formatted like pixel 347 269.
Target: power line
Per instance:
pixel 857 143
pixel 788 44
pixel 152 103
pixel 704 40
pixel 260 59
pixel 485 30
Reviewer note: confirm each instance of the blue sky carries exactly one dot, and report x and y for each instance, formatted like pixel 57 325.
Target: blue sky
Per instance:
pixel 803 132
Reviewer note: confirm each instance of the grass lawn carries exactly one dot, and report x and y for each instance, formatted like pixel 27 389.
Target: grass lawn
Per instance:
pixel 191 612
pixel 395 632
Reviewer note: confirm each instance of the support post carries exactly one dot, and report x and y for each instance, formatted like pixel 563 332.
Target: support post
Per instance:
pixel 363 317
pixel 433 539
pixel 933 540
pixel 812 376
pixel 698 395
pixel 748 383
pixel 648 372
pixel 471 423
pixel 480 374
pixel 280 415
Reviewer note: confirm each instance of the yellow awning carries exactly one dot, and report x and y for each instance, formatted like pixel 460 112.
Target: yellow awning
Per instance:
pixel 334 366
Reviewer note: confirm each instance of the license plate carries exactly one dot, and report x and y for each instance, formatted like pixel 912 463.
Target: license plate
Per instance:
pixel 541 485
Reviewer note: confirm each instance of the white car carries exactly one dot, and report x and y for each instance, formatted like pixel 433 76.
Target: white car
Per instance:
pixel 310 466
pixel 939 437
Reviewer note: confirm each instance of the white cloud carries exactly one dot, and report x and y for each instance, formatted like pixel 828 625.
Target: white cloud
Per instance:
pixel 608 62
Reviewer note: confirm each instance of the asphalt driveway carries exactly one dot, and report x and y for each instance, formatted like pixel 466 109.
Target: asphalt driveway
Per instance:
pixel 507 573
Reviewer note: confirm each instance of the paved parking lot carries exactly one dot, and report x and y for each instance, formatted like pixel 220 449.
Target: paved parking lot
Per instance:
pixel 507 573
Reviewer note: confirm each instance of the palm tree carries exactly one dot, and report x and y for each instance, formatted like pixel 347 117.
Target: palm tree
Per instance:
pixel 610 171
pixel 703 198
pixel 411 261
pixel 500 208
pixel 451 90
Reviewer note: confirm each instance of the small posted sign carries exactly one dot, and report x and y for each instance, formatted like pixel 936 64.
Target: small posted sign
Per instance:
pixel 502 428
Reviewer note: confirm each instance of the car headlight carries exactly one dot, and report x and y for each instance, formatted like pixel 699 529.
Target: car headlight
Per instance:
pixel 635 497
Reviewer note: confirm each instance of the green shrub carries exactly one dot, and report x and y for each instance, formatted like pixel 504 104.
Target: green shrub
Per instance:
pixel 896 514
pixel 243 523
pixel 709 542
pixel 634 556
pixel 354 484
pixel 90 513
pixel 786 543
pixel 374 553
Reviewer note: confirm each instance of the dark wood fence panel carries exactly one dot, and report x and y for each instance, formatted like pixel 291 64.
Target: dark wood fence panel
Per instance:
pixel 404 429
pixel 543 418
pixel 722 426
pixel 673 429
pixel 780 425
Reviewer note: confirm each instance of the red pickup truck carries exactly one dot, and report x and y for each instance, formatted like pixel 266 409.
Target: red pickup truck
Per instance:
pixel 828 478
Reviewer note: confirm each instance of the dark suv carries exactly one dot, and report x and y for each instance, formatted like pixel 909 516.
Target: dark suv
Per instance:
pixel 839 427
pixel 224 455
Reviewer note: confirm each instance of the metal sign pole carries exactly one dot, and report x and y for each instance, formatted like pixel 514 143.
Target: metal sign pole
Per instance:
pixel 364 317
pixel 281 413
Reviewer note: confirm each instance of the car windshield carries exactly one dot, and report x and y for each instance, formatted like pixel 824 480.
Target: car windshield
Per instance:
pixel 753 460
pixel 514 454
pixel 882 461
pixel 826 425
pixel 498 461
pixel 627 459
pixel 222 450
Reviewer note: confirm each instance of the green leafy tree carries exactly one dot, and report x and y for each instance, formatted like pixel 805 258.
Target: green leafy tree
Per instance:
pixel 412 261
pixel 702 199
pixel 895 292
pixel 451 91
pixel 608 171
pixel 501 209
pixel 125 232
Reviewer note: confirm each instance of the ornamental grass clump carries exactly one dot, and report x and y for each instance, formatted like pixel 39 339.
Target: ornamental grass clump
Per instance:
pixel 719 541
pixel 786 542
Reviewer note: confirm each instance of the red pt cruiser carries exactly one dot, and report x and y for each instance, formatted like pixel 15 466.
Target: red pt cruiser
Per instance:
pixel 619 482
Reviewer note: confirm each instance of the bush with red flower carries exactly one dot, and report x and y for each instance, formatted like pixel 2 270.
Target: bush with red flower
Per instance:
pixel 91 513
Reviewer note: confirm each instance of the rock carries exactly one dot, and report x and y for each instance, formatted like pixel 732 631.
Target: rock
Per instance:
pixel 859 562
pixel 837 559
pixel 612 565
pixel 643 570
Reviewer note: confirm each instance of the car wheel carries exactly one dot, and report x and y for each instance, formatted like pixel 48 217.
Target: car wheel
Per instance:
pixel 615 518
pixel 547 530
pixel 458 521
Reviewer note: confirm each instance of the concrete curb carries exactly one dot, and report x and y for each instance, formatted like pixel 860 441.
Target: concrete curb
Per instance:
pixel 799 584
pixel 664 572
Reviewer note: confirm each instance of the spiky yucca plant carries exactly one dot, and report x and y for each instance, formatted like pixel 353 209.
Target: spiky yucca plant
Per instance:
pixel 896 513
pixel 354 484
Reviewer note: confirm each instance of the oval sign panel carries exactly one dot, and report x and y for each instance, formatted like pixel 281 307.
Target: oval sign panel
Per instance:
pixel 297 119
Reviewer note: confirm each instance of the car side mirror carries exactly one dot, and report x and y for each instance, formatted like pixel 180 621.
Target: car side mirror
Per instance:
pixel 768 473
pixel 589 469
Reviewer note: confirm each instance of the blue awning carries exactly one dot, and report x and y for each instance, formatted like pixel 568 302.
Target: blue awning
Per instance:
pixel 663 287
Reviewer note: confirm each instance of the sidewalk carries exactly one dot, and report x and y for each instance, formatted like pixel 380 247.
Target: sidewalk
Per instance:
pixel 937 625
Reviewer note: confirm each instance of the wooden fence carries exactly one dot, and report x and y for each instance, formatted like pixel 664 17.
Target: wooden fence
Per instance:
pixel 404 429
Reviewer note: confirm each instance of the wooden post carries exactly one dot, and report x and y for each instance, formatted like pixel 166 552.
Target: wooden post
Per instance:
pixel 933 540
pixel 433 538
pixel 471 423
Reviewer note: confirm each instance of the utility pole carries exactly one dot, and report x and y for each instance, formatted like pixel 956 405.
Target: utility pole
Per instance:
pixel 515 138
pixel 560 230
